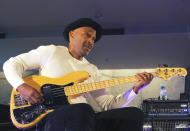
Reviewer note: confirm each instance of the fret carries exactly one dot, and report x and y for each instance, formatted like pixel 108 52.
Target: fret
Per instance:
pixel 70 90
pixel 101 85
pixel 82 87
pixel 106 83
pixel 93 86
pixel 87 87
pixel 76 89
pixel 73 89
pixel 116 81
pixel 79 88
pixel 121 80
pixel 134 79
pixel 65 90
pixel 97 85
pixel 128 79
pixel 111 82
pixel 90 86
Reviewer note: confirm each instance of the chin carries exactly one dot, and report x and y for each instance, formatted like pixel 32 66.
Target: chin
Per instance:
pixel 86 53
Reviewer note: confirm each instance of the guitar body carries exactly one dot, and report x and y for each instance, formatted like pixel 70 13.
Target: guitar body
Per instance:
pixel 25 115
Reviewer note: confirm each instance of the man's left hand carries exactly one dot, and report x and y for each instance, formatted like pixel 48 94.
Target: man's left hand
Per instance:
pixel 144 80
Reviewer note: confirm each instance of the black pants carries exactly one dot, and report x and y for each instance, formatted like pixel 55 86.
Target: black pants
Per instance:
pixel 81 117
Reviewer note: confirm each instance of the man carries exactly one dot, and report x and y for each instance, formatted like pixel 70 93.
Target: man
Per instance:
pixel 54 61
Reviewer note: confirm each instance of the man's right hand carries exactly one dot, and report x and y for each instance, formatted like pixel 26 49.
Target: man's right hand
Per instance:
pixel 30 94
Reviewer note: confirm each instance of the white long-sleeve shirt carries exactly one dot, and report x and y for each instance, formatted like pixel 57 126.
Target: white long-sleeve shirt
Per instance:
pixel 55 61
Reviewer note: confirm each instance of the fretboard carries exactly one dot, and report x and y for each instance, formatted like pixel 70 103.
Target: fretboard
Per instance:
pixel 82 88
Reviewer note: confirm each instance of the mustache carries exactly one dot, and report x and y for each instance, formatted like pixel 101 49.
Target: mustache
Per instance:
pixel 90 46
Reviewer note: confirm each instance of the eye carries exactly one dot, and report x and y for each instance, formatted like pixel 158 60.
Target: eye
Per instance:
pixel 88 35
pixel 94 38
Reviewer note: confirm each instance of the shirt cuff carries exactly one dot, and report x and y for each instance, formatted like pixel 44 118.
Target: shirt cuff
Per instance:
pixel 132 94
pixel 17 84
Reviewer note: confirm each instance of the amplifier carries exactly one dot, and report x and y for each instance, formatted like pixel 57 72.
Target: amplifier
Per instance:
pixel 168 108
pixel 166 124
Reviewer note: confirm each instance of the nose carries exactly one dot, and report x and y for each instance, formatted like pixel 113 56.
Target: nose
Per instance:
pixel 91 41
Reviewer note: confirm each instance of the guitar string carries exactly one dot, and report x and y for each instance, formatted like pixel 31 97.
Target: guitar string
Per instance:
pixel 97 85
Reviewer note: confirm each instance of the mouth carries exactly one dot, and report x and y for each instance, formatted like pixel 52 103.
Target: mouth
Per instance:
pixel 88 46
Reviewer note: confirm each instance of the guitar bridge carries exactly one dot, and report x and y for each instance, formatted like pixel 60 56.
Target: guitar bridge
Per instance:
pixel 19 100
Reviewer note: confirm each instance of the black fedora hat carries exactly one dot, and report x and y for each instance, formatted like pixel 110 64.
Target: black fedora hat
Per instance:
pixel 83 22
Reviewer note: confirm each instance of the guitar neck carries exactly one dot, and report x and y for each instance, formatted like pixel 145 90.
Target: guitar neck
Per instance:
pixel 82 88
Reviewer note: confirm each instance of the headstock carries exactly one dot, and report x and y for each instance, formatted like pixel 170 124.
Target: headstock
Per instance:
pixel 168 73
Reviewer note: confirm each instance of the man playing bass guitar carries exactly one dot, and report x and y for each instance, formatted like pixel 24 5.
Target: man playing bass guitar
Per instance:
pixel 55 61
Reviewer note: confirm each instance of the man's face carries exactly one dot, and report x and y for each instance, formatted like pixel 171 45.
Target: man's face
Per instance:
pixel 82 40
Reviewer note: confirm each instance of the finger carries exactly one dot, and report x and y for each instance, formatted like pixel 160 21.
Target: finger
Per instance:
pixel 144 76
pixel 148 75
pixel 42 98
pixel 140 76
pixel 41 94
pixel 151 77
pixel 35 99
pixel 38 97
pixel 31 100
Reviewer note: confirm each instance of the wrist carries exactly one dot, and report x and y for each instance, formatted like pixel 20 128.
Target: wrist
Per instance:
pixel 19 88
pixel 137 88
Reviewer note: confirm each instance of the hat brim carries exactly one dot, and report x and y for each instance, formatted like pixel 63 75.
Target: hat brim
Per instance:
pixel 83 22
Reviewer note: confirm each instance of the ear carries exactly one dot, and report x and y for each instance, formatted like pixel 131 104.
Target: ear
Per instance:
pixel 71 34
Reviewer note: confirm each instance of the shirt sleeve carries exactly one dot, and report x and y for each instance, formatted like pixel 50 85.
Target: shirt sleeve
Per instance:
pixel 34 59
pixel 107 102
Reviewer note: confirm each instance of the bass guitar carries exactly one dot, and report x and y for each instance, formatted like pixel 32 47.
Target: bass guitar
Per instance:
pixel 59 91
